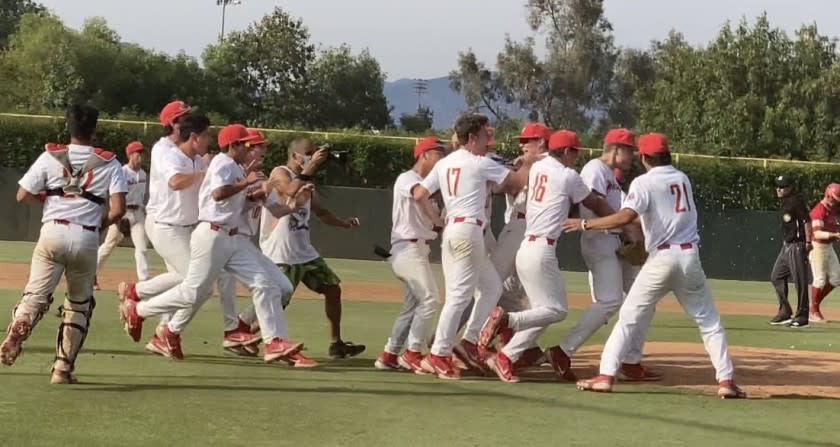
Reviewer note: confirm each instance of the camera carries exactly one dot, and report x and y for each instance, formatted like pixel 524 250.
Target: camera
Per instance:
pixel 339 155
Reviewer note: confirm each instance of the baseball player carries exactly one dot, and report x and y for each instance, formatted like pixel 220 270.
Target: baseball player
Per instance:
pixel 792 261
pixel 824 265
pixel 135 217
pixel 286 241
pixel 215 247
pixel 663 199
pixel 73 182
pixel 599 250
pixel 411 233
pixel 553 186
pixel 174 205
pixel 461 177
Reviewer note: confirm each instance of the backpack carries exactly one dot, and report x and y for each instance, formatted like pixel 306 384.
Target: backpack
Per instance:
pixel 75 186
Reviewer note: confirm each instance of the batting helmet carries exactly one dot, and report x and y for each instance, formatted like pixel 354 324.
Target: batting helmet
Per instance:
pixel 832 191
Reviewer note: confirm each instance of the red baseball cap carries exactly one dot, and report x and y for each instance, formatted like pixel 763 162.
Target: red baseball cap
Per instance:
pixel 172 111
pixel 428 144
pixel 563 139
pixel 653 144
pixel 620 136
pixel 232 133
pixel 134 146
pixel 256 138
pixel 533 131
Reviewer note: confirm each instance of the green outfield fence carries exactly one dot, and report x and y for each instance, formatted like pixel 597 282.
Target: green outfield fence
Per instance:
pixel 764 162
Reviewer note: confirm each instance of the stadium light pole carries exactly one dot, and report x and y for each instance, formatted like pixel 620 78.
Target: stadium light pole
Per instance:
pixel 224 4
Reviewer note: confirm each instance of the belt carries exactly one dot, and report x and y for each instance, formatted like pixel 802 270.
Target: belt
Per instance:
pixel 176 225
pixel 67 222
pixel 132 207
pixel 414 241
pixel 532 238
pixel 478 222
pixel 520 215
pixel 686 246
pixel 217 227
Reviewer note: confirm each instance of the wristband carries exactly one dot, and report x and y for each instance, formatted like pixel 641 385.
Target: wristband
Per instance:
pixel 583 224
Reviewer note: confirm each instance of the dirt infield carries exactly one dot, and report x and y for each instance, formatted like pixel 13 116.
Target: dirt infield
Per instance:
pixel 769 373
pixel 13 276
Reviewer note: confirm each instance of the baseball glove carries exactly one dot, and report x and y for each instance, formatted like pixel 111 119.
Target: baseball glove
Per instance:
pixel 125 227
pixel 634 253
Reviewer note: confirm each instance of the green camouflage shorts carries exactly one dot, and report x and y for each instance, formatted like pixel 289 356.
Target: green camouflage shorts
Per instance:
pixel 315 275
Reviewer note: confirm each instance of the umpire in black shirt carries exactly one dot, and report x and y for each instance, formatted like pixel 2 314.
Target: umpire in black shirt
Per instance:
pixel 792 262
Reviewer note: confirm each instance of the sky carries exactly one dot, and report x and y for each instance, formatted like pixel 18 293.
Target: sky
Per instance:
pixel 421 39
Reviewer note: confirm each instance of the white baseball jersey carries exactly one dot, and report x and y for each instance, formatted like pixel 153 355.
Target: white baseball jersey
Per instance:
pixel 249 223
pixel 227 213
pixel 553 188
pixel 178 207
pixel 136 181
pixel 600 178
pixel 408 220
pixel 516 205
pixel 286 240
pixel 664 200
pixel 461 177
pixel 48 173
pixel 158 186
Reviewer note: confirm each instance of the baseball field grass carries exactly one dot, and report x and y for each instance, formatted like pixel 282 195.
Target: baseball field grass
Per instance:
pixel 130 398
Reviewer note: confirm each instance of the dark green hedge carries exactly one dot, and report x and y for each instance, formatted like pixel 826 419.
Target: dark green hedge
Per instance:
pixel 376 162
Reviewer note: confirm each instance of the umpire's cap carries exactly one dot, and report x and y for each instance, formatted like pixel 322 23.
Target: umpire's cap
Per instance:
pixel 783 181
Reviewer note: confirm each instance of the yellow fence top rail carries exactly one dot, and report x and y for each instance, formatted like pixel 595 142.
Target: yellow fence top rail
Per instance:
pixel 326 135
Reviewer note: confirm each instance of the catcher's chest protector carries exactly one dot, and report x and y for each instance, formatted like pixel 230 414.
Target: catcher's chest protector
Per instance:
pixel 75 185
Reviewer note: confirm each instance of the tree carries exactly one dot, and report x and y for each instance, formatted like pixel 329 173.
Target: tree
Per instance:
pixel 483 89
pixel 346 91
pixel 11 12
pixel 419 122
pixel 265 69
pixel 634 71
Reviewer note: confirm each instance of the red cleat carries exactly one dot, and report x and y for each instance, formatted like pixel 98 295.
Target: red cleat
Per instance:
pixel 299 360
pixel 635 372
pixel 599 384
pixel 127 291
pixel 503 367
pixel 172 342
pixel 278 348
pixel 387 362
pixel 241 336
pixel 529 358
pixel 157 346
pixel 412 361
pixel 469 353
pixel 497 322
pixel 133 322
pixel 728 390
pixel 12 345
pixel 561 363
pixel 441 367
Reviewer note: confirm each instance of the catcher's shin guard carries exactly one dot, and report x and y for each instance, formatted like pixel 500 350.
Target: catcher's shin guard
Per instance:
pixel 75 321
pixel 25 317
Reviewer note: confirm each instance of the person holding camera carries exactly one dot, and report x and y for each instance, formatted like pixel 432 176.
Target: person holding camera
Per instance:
pixel 287 243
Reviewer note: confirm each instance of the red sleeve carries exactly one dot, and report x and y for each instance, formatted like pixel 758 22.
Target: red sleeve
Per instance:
pixel 818 217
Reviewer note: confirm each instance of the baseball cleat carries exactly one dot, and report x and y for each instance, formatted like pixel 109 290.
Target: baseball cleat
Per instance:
pixel 157 346
pixel 172 341
pixel 503 367
pixel 63 378
pixel 12 345
pixel 636 372
pixel 441 367
pixel 561 363
pixel 530 357
pixel 241 336
pixel 387 362
pixel 242 351
pixel 781 320
pixel 127 291
pixel 133 323
pixel 278 348
pixel 798 324
pixel 599 384
pixel 299 360
pixel 817 317
pixel 496 322
pixel 343 349
pixel 728 390
pixel 471 355
pixel 412 361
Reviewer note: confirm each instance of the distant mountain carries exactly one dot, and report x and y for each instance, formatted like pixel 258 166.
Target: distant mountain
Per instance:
pixel 445 103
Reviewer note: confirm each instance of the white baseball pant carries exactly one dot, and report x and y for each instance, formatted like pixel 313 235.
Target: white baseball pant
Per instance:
pixel 824 265
pixel 504 255
pixel 410 264
pixel 674 270
pixel 136 218
pixel 466 270
pixel 173 245
pixel 607 284
pixel 226 285
pixel 69 250
pixel 539 271
pixel 214 251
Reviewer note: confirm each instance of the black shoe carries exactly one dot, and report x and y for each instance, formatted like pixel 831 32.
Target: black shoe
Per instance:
pixel 798 323
pixel 342 349
pixel 781 320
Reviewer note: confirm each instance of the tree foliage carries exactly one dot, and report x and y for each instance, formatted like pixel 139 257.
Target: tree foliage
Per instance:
pixel 11 12
pixel 419 122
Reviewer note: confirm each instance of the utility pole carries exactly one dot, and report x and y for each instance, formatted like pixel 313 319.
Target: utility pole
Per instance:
pixel 224 4
pixel 420 87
